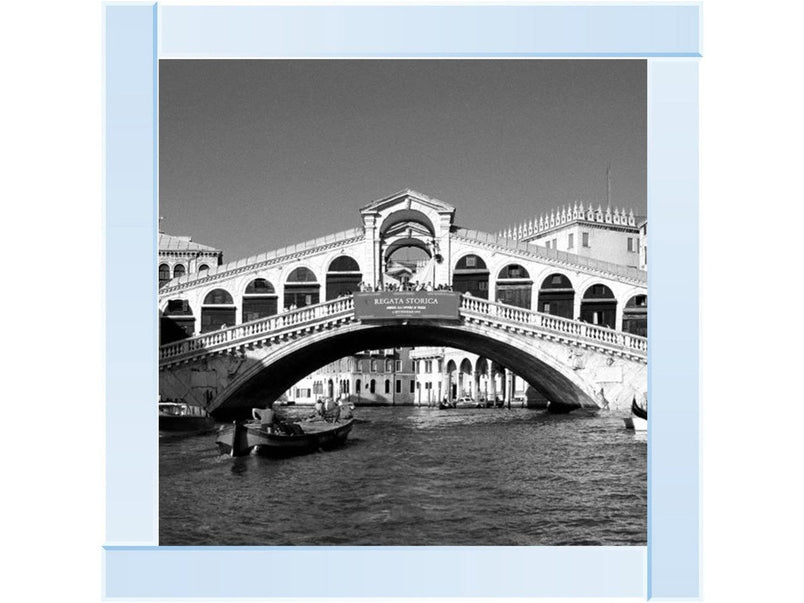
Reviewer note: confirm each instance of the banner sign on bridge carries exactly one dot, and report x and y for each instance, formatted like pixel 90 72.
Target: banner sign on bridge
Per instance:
pixel 406 305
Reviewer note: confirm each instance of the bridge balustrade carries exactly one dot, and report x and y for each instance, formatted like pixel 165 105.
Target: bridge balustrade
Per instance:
pixel 581 330
pixel 345 306
pixel 262 326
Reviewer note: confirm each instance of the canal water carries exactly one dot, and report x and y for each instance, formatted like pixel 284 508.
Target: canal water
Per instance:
pixel 418 476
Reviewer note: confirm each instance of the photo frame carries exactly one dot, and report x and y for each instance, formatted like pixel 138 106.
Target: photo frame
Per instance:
pixel 136 36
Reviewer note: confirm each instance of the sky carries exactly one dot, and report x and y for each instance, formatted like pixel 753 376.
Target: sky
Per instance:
pixel 255 155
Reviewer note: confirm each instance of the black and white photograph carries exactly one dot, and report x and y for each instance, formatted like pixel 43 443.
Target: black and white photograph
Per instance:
pixel 403 302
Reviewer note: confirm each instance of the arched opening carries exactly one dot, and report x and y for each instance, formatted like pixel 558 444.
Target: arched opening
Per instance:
pixel 203 267
pixel 164 274
pixel 358 386
pixel 635 316
pixel 471 276
pixel 599 306
pixel 178 270
pixel 218 311
pixel 259 300
pixel 177 321
pixel 556 296
pixel 343 277
pixel 387 386
pixel 408 261
pixel 301 288
pixel 330 389
pixel 465 378
pixel 514 286
pixel 452 380
pixel 373 386
pixel 546 374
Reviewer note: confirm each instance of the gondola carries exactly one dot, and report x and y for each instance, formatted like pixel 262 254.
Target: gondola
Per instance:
pixel 638 421
pixel 282 439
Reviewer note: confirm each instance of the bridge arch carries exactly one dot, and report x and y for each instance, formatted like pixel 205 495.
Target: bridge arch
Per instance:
pixel 514 286
pixel 635 315
pixel 406 216
pixel 259 300
pixel 599 306
pixel 218 310
pixel 471 275
pixel 343 276
pixel 301 287
pixel 556 295
pixel 283 366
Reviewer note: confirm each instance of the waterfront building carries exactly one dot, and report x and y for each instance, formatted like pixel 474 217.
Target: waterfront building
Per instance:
pixel 610 234
pixel 179 255
pixel 443 372
pixel 372 377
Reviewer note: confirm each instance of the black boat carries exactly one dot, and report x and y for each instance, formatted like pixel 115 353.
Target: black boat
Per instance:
pixel 638 411
pixel 182 418
pixel 282 439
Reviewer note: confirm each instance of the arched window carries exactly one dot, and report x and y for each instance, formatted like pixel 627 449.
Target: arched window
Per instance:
pixel 471 276
pixel 164 274
pixel 301 288
pixel 514 286
pixel 259 300
pixel 373 386
pixel 389 366
pixel 635 315
pixel 556 296
pixel 387 386
pixel 218 311
pixel 177 321
pixel 343 277
pixel 357 386
pixel 178 270
pixel 203 267
pixel 599 306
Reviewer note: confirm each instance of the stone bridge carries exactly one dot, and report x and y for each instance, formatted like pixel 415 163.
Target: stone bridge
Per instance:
pixel 234 369
pixel 237 334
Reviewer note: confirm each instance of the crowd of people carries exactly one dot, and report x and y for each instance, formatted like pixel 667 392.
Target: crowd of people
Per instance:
pixel 404 286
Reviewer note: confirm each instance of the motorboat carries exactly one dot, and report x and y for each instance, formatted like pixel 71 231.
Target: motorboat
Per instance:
pixel 179 417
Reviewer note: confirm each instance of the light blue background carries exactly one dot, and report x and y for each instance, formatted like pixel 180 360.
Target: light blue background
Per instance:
pixel 134 567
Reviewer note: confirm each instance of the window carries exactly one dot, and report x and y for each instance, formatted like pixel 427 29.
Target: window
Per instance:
pixel 398 386
pixel 547 244
pixel 373 386
pixel 571 242
pixel 203 267
pixel 428 366
pixel 387 386
pixel 374 366
pixel 412 386
pixel 440 366
pixel 546 308
pixel 164 274
pixel 585 239
pixel 483 286
pixel 630 244
pixel 178 270
pixel 398 364
pixel 471 261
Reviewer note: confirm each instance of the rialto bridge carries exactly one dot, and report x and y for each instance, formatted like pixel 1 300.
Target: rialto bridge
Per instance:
pixel 241 334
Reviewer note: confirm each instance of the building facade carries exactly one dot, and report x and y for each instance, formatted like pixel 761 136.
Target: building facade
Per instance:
pixel 610 234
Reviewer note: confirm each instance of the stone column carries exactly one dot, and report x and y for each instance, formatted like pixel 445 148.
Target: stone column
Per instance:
pixel 576 305
pixel 476 384
pixel 492 381
pixel 509 387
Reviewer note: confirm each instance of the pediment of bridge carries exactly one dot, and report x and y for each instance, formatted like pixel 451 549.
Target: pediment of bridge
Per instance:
pixel 408 207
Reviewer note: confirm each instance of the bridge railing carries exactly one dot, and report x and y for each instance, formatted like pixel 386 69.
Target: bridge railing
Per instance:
pixel 344 306
pixel 576 328
pixel 269 324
